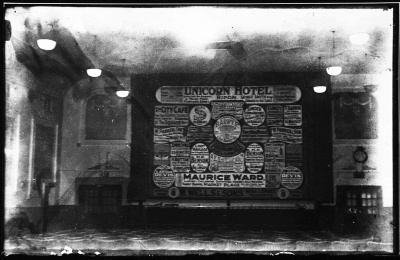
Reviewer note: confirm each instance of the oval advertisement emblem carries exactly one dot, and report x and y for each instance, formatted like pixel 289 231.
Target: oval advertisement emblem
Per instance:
pixel 227 129
pixel 254 115
pixel 283 193
pixel 173 192
pixel 254 158
pixel 200 115
pixel 163 176
pixel 291 178
pixel 199 157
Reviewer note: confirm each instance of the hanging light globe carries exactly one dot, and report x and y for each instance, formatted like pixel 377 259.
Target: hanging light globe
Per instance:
pixel 319 89
pixel 94 72
pixel 46 44
pixel 122 93
pixel 334 70
pixel 359 38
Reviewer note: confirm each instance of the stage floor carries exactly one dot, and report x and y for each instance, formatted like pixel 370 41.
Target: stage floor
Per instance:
pixel 156 240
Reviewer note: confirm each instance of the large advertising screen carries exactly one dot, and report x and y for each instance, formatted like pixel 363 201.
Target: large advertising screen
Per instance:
pixel 228 142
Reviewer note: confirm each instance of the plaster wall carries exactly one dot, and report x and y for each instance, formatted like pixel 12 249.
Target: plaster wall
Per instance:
pixel 78 154
pixel 379 150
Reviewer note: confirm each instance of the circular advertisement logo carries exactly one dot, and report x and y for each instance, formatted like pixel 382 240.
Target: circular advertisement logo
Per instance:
pixel 200 115
pixel 291 178
pixel 254 158
pixel 173 192
pixel 199 157
pixel 163 176
pixel 283 193
pixel 254 115
pixel 227 129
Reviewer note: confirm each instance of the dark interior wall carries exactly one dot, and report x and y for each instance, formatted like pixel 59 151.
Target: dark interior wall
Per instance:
pixel 317 120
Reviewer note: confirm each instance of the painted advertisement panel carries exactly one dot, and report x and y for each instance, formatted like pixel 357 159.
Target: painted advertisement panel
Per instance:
pixel 274 115
pixel 254 115
pixel 254 158
pixel 180 164
pixel 227 129
pixel 204 134
pixel 252 134
pixel 199 157
pixel 180 149
pixel 171 115
pixel 249 94
pixel 225 180
pixel 244 193
pixel 231 149
pixel 294 155
pixel 291 178
pixel 170 134
pixel 287 135
pixel 161 154
pixel 200 115
pixel 274 158
pixel 227 193
pixel 293 115
pixel 228 141
pixel 226 164
pixel 163 176
pixel 234 109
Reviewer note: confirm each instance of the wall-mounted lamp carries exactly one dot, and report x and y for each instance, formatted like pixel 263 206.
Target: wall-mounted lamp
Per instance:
pixel 93 72
pixel 319 89
pixel 359 38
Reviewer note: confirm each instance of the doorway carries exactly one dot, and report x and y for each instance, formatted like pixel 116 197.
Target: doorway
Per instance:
pixel 100 204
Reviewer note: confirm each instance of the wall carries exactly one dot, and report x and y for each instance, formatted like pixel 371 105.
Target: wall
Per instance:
pixel 30 99
pixel 379 150
pixel 79 154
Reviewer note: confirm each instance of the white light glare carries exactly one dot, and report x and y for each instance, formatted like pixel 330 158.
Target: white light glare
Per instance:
pixel 94 72
pixel 359 38
pixel 46 44
pixel 334 71
pixel 122 93
pixel 319 89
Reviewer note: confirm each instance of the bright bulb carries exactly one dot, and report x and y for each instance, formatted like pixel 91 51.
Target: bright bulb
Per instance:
pixel 46 44
pixel 319 89
pixel 333 71
pixel 122 93
pixel 94 72
pixel 359 38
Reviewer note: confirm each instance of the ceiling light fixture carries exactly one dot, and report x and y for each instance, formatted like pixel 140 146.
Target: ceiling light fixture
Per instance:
pixel 319 89
pixel 333 70
pixel 94 72
pixel 359 38
pixel 46 44
pixel 122 92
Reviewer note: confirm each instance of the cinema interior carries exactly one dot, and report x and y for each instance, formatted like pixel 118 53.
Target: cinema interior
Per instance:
pixel 119 117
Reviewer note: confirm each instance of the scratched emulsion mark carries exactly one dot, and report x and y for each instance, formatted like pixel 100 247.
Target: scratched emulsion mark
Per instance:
pixel 177 241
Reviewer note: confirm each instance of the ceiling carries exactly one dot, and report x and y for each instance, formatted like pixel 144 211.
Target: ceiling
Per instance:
pixel 133 40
